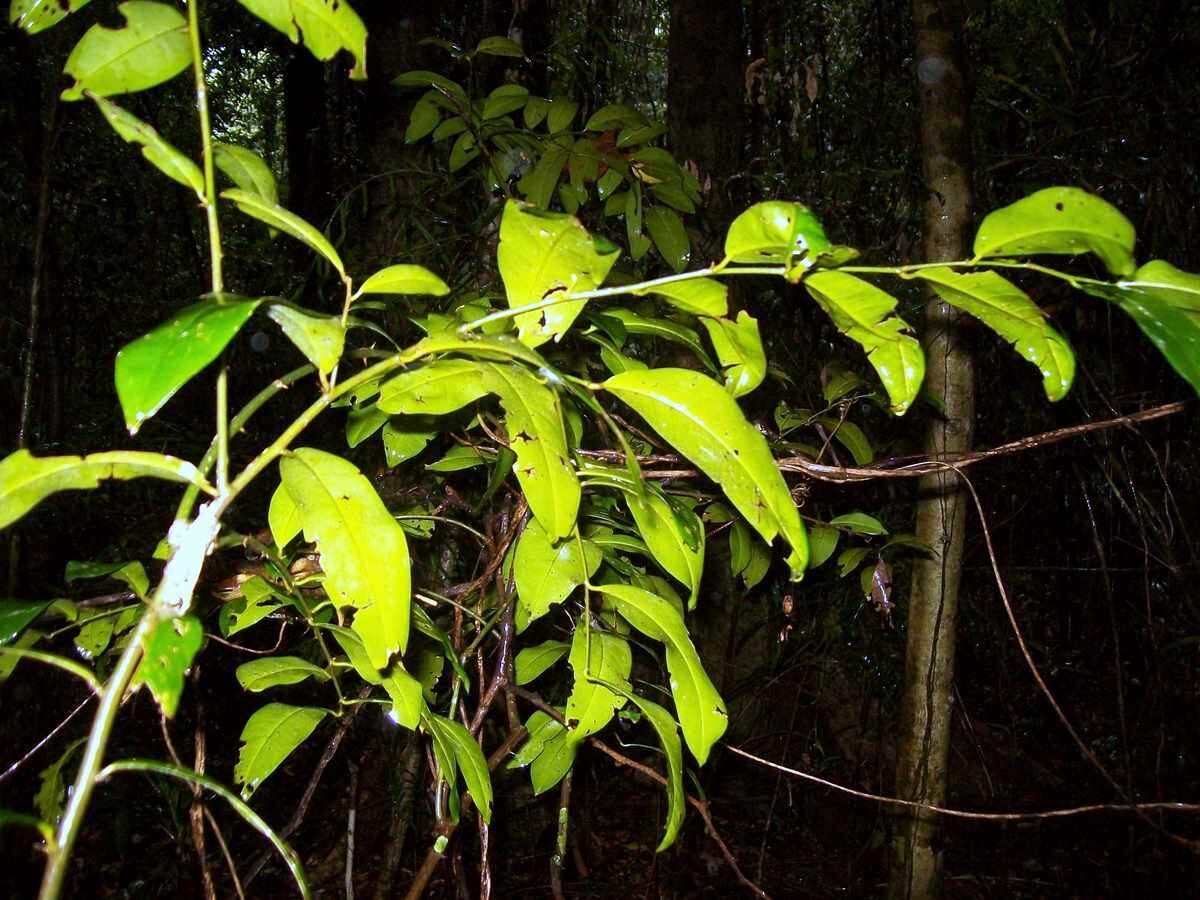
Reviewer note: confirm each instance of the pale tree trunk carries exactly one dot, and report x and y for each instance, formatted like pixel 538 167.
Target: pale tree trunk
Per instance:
pixel 926 715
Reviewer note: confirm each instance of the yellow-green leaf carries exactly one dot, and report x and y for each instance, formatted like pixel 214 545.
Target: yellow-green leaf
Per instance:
pixel 273 671
pixel 596 656
pixel 326 27
pixel 33 16
pixel 161 154
pixel 404 279
pixel 246 169
pixel 740 351
pixel 533 661
pixel 320 338
pixel 775 231
pixel 674 535
pixel 546 573
pixel 669 236
pixel 699 296
pixel 150 48
pixel 270 736
pixel 169 650
pixel 276 216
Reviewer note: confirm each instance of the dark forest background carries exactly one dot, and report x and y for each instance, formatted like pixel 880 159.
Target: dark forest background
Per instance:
pixel 799 99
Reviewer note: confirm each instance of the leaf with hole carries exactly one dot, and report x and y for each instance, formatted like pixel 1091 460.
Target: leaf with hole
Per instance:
pixel 699 418
pixel 34 16
pixel 740 352
pixel 150 48
pixel 775 231
pixel 326 27
pixel 269 737
pixel 168 651
pixel 546 573
pixel 596 656
pixel 321 339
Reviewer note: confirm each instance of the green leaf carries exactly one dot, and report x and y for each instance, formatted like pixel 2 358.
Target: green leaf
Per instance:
pixel 668 736
pixel 401 445
pixel 850 559
pixel 26 480
pixel 364 422
pixel 404 279
pixel 699 418
pixel 533 661
pixel 740 352
pixel 701 710
pixel 500 46
pixel 757 566
pixel 1174 330
pixel 16 615
pixel 863 313
pixel 272 671
pixel 615 114
pixel 258 603
pixel 674 535
pixel 562 113
pixel 823 541
pixel 169 649
pixel 469 758
pixel 664 329
pixel 152 368
pixel 1059 220
pixel 858 523
pixel 669 236
pixel 543 253
pixel 427 627
pixel 1161 279
pixel 452 126
pixel 363 550
pixel 851 437
pixel 270 736
pixel 504 99
pixel 535 112
pixel 547 574
pixel 459 459
pixel 33 16
pixel 286 221
pixel 465 150
pixel 539 183
pixel 1009 312
pixel 541 728
pixel 321 339
pixel 437 388
pixel 426 116
pixel 151 47
pixel 838 382
pixel 640 134
pixel 283 517
pixel 161 154
pixel 699 296
pixel 596 656
pixel 52 790
pixel 775 232
pixel 246 169
pixel 326 27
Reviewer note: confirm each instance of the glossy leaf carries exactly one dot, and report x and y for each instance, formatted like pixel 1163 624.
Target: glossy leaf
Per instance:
pixel 668 736
pixel 437 388
pixel 596 656
pixel 547 752
pixel 1174 330
pixel 674 535
pixel 246 169
pixel 1162 280
pixel 1059 220
pixel 859 523
pixel 823 541
pixel 669 236
pixel 740 351
pixel 286 221
pixel 850 559
pixel 26 480
pixel 321 339
pixel 16 615
pixel 699 418
pixel 404 279
pixel 170 648
pixel 664 329
pixel 363 423
pixel 469 758
pixel 774 232
pixel 150 48
pixel 701 710
pixel 544 253
pixel 268 738
pixel 533 661
pixel 401 445
pixel 152 368
pixel 1009 312
pixel 541 728
pixel 364 553
pixel 699 296
pixel 851 437
pixel 546 573
pixel 863 313
pixel 459 459
pixel 325 26
pixel 161 154
pixel 33 16
pixel 273 671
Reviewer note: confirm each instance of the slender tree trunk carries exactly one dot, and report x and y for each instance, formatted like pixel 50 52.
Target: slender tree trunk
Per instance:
pixel 916 866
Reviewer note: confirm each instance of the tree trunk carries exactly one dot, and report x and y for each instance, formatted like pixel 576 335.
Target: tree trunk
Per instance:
pixel 925 717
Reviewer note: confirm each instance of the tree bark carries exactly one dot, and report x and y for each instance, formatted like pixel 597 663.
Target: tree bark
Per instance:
pixel 926 716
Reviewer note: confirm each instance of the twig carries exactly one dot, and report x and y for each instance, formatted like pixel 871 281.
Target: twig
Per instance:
pixel 233 874
pixel 558 857
pixel 28 754
pixel 350 817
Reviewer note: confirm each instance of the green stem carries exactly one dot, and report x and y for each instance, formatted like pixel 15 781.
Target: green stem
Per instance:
pixel 93 756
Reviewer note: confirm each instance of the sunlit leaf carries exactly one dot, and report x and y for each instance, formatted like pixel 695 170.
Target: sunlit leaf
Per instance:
pixel 674 535
pixel 533 661
pixel 546 573
pixel 669 236
pixel 404 279
pixel 152 368
pixel 437 388
pixel 859 523
pixel 1161 279
pixel 320 338
pixel 699 418
pixel 325 26
pixel 401 445
pixel 1010 312
pixel 596 656
pixel 26 480
pixel 740 352
pixel 664 329
pixel 246 169
pixel 270 736
pixel 542 254
pixel 169 650
pixel 33 16
pixel 364 553
pixel 863 313
pixel 469 758
pixel 150 48
pixel 775 232
pixel 161 154
pixel 272 671
pixel 1059 220
pixel 699 296
pixel 286 221
pixel 701 710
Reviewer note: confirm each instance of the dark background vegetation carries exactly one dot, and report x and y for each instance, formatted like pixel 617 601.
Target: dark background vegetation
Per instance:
pixel 1096 536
